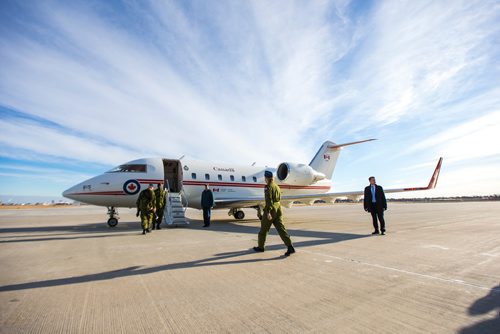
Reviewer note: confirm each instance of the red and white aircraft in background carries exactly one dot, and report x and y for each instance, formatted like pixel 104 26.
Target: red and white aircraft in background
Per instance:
pixel 234 186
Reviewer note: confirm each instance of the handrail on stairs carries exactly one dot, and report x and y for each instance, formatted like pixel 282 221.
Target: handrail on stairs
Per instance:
pixel 184 198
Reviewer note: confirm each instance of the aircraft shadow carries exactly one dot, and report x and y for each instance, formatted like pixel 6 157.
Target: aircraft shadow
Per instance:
pixel 137 270
pixel 485 305
pixel 66 232
pixel 101 230
pixel 238 227
pixel 85 228
pixel 216 260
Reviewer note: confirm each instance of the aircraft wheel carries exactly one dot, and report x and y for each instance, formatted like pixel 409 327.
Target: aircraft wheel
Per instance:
pixel 112 222
pixel 239 215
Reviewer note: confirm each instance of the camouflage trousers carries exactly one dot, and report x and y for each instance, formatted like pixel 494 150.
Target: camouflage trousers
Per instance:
pixel 146 220
pixel 265 225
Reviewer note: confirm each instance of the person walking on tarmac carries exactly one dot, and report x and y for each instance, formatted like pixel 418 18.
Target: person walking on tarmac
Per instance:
pixel 273 215
pixel 161 199
pixel 207 203
pixel 146 207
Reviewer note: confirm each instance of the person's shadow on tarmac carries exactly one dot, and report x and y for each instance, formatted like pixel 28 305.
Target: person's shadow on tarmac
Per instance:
pixel 485 305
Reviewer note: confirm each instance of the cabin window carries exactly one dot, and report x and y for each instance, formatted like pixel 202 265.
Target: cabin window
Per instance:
pixel 193 176
pixel 219 177
pixel 244 178
pixel 254 179
pixel 207 176
pixel 129 168
pixel 231 177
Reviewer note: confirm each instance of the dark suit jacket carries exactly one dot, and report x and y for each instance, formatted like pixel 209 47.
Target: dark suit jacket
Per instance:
pixel 381 203
pixel 207 199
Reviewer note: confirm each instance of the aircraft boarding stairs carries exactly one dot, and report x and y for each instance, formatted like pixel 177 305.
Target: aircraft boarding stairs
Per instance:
pixel 174 214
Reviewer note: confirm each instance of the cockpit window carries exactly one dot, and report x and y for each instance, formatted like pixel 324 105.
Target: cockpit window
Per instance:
pixel 133 168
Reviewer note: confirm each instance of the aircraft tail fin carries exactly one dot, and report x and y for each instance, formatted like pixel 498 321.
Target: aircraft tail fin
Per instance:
pixel 326 158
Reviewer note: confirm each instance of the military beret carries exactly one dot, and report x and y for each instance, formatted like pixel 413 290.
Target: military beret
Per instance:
pixel 268 174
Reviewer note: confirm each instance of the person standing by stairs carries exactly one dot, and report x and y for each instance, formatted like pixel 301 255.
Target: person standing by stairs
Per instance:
pixel 207 203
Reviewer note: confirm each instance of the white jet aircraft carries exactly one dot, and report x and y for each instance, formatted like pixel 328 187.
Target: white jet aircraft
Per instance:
pixel 234 186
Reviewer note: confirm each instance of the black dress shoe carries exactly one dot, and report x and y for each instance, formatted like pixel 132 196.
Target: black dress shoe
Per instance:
pixel 158 228
pixel 143 231
pixel 383 233
pixel 258 249
pixel 376 232
pixel 290 251
pixel 206 225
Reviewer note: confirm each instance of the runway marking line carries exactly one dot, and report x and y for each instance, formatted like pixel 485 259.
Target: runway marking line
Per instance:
pixel 435 246
pixel 447 280
pixel 489 254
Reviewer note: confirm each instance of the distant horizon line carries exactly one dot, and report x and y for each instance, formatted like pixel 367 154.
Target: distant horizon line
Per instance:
pixel 3 198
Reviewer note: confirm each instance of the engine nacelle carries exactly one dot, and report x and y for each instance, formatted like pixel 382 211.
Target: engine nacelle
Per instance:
pixel 297 174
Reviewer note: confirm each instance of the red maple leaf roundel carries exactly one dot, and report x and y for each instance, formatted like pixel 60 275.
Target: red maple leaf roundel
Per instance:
pixel 131 187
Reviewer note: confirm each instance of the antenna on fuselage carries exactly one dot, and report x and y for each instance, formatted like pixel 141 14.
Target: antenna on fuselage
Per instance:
pixel 254 163
pixel 182 157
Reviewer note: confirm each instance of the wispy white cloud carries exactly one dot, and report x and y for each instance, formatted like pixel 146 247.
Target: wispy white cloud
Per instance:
pixel 416 56
pixel 51 142
pixel 466 141
pixel 47 175
pixel 253 81
pixel 19 179
pixel 110 81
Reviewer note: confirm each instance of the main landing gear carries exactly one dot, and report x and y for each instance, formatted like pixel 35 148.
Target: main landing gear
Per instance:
pixel 237 213
pixel 113 216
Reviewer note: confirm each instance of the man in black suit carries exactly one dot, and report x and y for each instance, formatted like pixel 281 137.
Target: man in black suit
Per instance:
pixel 207 203
pixel 375 203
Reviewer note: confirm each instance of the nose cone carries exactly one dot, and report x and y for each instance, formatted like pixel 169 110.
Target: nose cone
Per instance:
pixel 79 191
pixel 70 193
pixel 91 191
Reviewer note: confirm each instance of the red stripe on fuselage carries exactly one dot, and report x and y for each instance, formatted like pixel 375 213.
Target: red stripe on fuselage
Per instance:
pixel 249 185
pixel 201 184
pixel 101 193
pixel 155 181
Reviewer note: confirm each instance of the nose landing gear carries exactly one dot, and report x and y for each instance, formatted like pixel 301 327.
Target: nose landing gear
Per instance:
pixel 113 216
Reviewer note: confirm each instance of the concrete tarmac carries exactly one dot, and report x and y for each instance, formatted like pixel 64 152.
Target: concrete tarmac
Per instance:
pixel 436 271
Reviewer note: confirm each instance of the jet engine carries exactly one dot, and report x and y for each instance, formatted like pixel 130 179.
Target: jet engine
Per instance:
pixel 297 174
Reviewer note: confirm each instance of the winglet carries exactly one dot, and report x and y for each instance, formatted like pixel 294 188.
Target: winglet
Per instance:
pixel 334 147
pixel 433 181
pixel 435 175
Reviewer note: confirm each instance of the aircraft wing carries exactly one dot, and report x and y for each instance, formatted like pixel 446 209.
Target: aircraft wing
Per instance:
pixel 311 198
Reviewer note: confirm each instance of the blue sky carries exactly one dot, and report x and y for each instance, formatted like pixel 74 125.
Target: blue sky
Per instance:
pixel 86 85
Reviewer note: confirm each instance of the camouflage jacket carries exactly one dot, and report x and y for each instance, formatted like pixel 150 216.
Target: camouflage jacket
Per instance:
pixel 272 194
pixel 161 198
pixel 146 202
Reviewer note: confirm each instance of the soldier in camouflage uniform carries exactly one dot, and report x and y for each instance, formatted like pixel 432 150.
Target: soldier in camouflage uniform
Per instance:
pixel 146 207
pixel 273 215
pixel 161 199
